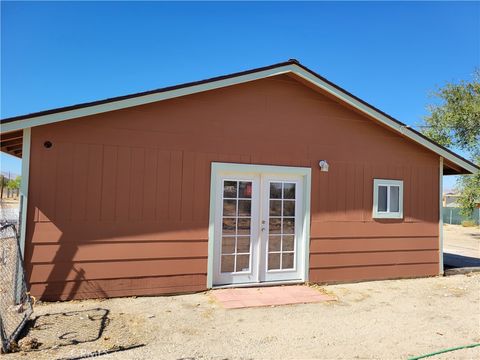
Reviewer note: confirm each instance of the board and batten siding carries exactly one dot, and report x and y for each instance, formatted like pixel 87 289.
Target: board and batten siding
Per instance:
pixel 119 204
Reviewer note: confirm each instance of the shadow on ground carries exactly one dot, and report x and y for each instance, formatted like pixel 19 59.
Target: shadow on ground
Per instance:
pixel 67 328
pixel 460 261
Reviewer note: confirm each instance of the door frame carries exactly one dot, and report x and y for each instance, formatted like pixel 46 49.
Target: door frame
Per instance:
pixel 304 172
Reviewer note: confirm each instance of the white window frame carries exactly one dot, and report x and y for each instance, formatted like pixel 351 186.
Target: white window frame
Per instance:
pixel 387 214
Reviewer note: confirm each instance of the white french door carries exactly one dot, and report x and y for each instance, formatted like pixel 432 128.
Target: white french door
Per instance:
pixel 282 228
pixel 236 229
pixel 258 228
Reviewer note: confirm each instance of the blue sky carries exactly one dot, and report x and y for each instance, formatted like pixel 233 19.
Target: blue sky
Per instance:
pixel 389 54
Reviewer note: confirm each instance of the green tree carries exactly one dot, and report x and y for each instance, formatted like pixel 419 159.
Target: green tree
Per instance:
pixel 455 122
pixel 14 183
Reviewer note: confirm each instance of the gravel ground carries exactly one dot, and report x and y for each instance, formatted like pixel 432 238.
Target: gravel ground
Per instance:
pixel 382 320
pixel 9 211
pixel 461 240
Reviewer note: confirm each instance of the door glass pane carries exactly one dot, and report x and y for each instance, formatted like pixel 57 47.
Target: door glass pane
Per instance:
pixel 273 261
pixel 275 207
pixel 229 189
pixel 228 226
pixel 289 226
pixel 274 243
pixel 228 245
pixel 229 207
pixel 394 198
pixel 244 207
pixel 382 198
pixel 243 226
pixel 245 189
pixel 287 260
pixel 275 190
pixel 288 242
pixel 227 263
pixel 289 191
pixel 288 208
pixel 243 244
pixel 243 263
pixel 236 226
pixel 275 226
pixel 281 242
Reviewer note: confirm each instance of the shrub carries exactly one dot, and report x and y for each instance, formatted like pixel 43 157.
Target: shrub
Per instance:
pixel 468 223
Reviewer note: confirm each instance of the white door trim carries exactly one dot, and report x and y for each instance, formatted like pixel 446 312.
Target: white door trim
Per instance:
pixel 218 168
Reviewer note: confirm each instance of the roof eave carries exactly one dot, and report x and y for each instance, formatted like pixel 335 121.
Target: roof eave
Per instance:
pixel 291 66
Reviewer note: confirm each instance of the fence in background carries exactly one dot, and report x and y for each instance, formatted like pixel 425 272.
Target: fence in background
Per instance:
pixel 10 193
pixel 451 215
pixel 15 303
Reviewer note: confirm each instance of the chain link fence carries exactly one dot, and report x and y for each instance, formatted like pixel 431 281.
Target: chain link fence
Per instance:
pixel 452 215
pixel 15 303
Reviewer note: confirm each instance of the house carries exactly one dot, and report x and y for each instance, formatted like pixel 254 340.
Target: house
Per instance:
pixel 272 175
pixel 450 199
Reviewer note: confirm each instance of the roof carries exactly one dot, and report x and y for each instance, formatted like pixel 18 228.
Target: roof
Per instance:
pixel 291 66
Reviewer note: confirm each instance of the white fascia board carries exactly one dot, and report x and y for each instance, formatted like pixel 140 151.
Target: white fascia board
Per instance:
pixel 292 68
pixel 380 117
pixel 140 100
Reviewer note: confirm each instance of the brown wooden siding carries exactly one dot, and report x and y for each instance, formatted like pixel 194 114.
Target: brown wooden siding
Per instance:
pixel 119 205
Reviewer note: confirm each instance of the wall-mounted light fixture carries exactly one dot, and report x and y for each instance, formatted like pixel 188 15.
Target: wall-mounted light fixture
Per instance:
pixel 323 165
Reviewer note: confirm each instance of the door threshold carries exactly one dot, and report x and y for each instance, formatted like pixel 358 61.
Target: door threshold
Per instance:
pixel 260 284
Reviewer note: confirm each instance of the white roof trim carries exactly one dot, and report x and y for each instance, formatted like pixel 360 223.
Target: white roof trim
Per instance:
pixel 140 100
pixel 289 68
pixel 383 119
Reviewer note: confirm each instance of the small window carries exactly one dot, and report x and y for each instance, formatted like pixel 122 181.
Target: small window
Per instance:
pixel 387 199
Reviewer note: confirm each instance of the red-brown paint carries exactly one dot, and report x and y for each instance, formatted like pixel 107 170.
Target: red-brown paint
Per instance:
pixel 119 205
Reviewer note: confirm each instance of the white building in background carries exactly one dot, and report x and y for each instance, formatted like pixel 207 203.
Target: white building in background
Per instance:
pixel 450 199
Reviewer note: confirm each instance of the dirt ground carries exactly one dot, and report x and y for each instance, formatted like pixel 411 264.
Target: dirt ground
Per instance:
pixel 393 319
pixel 461 240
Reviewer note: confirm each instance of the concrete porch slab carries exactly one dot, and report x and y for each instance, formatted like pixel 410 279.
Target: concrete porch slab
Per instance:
pixel 237 298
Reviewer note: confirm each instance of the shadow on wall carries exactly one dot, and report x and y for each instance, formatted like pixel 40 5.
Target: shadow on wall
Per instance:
pixel 97 239
pixel 120 207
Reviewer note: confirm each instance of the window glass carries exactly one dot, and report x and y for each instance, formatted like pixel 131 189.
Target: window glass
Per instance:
pixel 228 226
pixel 275 207
pixel 288 208
pixel 229 207
pixel 289 191
pixel 274 243
pixel 229 189
pixel 228 245
pixel 228 262
pixel 273 261
pixel 281 243
pixel 236 226
pixel 243 244
pixel 245 189
pixel 244 207
pixel 243 227
pixel 287 261
pixel 243 263
pixel 275 190
pixel 394 198
pixel 387 199
pixel 382 198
